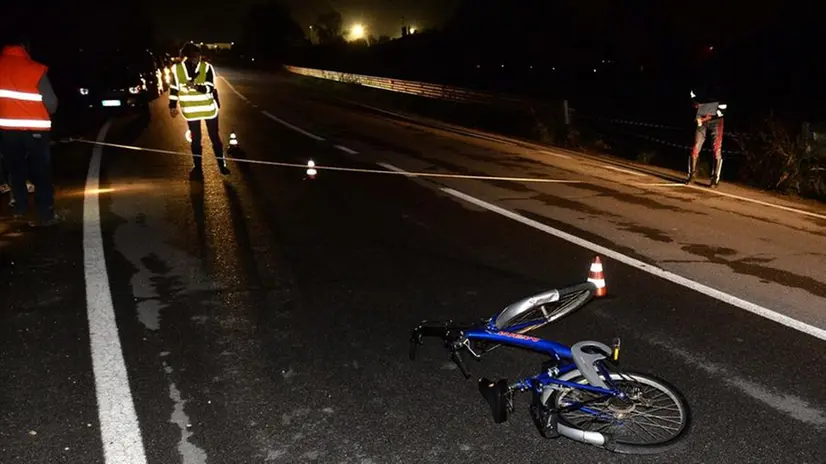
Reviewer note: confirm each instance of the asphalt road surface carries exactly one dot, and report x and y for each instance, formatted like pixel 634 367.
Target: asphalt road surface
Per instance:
pixel 264 317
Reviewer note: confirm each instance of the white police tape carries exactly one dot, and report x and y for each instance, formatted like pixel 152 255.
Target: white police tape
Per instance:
pixel 316 168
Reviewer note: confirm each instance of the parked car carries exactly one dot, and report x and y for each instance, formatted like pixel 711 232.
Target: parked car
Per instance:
pixel 112 81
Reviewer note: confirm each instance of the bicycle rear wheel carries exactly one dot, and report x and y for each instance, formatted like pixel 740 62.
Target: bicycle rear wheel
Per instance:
pixel 655 418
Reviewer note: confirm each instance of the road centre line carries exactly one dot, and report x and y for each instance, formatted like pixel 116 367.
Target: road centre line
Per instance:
pixel 659 272
pixel 295 128
pixel 273 117
pixel 119 427
pixel 653 270
pixel 394 168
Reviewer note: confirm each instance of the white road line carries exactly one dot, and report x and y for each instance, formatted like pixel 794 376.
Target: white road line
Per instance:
pixel 469 176
pixel 656 271
pixel 394 168
pixel 233 89
pixel 558 155
pixel 661 184
pixel 347 150
pixel 295 128
pixel 759 202
pixel 626 171
pixel 273 117
pixel 119 428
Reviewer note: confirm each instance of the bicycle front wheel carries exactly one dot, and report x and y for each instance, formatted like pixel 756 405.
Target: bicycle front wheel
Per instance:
pixel 654 418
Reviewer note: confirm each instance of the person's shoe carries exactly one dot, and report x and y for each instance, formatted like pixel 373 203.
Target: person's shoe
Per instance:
pixel 196 173
pixel 224 169
pixel 12 202
pixel 4 188
pixel 692 170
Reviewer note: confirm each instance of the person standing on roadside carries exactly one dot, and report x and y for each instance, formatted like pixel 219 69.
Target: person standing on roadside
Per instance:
pixel 27 102
pixel 709 116
pixel 194 91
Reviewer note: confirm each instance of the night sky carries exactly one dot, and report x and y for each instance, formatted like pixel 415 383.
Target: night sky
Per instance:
pixel 383 17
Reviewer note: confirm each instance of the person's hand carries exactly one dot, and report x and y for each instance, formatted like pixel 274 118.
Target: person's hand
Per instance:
pixel 173 112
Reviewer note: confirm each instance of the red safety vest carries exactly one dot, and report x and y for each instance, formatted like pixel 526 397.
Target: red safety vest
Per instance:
pixel 21 105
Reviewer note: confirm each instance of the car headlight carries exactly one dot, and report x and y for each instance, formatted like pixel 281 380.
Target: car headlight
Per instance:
pixel 83 91
pixel 135 90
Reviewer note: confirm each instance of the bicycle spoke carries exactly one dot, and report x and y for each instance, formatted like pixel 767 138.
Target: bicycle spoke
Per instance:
pixel 662 418
pixel 657 416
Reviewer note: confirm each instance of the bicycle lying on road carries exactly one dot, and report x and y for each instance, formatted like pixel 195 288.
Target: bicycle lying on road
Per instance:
pixel 581 392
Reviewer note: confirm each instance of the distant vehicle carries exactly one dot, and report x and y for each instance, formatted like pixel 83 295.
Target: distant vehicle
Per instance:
pixel 115 81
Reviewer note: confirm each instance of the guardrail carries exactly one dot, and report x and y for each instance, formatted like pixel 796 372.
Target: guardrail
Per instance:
pixel 681 138
pixel 422 89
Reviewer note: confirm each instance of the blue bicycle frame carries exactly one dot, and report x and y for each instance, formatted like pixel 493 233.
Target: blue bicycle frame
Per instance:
pixel 558 351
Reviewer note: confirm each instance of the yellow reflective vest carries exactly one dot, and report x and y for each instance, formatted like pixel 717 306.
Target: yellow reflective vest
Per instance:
pixel 195 105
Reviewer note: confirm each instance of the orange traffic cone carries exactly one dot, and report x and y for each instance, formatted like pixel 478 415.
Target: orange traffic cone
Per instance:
pixel 597 276
pixel 311 170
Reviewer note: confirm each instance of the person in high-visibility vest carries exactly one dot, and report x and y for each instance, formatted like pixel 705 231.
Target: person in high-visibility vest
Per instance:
pixel 27 102
pixel 193 89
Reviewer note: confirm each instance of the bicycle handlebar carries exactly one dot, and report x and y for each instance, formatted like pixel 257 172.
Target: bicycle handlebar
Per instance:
pixel 449 332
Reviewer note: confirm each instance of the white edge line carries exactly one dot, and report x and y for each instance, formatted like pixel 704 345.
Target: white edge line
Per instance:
pixel 119 427
pixel 394 168
pixel 656 271
pixel 347 150
pixel 626 171
pixel 760 202
pixel 558 155
pixel 295 128
pixel 661 184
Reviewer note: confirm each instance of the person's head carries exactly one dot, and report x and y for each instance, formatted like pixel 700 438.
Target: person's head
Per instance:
pixel 191 52
pixel 18 38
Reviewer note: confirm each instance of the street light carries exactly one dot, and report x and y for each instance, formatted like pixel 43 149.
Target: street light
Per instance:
pixel 357 32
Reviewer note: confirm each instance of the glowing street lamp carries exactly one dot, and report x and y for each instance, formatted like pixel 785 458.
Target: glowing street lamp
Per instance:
pixel 357 32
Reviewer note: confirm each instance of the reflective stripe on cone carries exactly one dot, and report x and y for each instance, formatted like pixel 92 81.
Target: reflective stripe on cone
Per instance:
pixel 596 275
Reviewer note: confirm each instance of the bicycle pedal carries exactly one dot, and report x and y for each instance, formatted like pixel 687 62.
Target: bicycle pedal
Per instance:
pixel 496 394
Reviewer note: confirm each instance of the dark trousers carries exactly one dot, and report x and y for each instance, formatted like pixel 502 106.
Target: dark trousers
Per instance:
pixel 700 137
pixel 214 137
pixel 28 156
